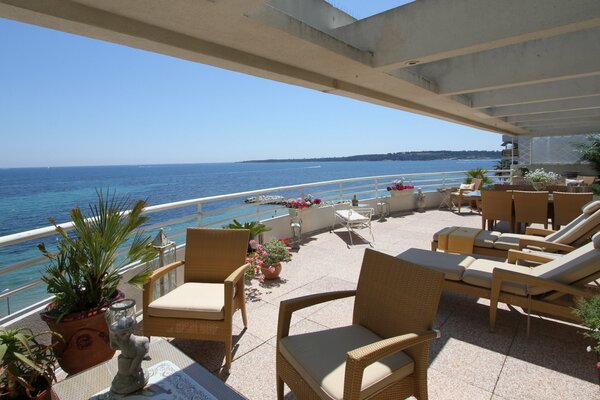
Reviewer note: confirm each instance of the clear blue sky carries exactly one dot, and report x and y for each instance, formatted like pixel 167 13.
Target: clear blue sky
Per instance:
pixel 69 100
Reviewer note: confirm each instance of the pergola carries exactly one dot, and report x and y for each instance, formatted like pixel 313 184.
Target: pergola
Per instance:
pixel 520 67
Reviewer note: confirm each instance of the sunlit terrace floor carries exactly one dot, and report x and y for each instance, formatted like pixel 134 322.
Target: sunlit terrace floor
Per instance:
pixel 468 362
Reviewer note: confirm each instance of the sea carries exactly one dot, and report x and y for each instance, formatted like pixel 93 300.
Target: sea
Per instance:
pixel 28 196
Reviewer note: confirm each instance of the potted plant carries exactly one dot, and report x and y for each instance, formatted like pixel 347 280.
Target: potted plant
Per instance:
pixel 477 173
pixel 589 312
pixel 84 275
pixel 295 206
pixel 540 179
pixel 256 229
pixel 398 188
pixel 26 364
pixel 266 261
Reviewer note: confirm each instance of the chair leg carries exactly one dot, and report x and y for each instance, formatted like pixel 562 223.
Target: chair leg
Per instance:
pixel 279 388
pixel 244 317
pixel 228 346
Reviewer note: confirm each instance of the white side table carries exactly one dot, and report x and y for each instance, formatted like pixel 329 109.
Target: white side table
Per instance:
pixel 383 208
pixel 446 201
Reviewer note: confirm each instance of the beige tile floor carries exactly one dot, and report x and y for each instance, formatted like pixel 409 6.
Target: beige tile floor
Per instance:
pixel 468 362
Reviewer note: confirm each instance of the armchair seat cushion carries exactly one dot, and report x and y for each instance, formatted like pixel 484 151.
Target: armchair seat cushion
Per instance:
pixel 320 357
pixel 191 300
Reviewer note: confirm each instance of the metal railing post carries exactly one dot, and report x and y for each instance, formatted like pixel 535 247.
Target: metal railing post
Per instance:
pixel 200 214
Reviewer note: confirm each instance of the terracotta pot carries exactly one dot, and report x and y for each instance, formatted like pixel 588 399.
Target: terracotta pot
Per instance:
pixel 271 274
pixel 85 339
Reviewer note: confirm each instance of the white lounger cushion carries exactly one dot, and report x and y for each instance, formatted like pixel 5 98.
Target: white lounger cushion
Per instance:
pixel 575 229
pixel 483 239
pixel 480 274
pixel 508 241
pixel 453 265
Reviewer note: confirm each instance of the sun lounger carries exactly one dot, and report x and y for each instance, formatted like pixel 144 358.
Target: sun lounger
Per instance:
pixel 564 240
pixel 548 288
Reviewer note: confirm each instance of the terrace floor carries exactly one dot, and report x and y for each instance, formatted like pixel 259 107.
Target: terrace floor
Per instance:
pixel 468 362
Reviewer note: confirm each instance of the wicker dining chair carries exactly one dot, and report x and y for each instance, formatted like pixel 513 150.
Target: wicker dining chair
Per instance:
pixel 530 207
pixel 213 289
pixel 383 354
pixel 496 205
pixel 567 207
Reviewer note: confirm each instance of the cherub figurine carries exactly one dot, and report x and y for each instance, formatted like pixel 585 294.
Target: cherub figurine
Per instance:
pixel 130 376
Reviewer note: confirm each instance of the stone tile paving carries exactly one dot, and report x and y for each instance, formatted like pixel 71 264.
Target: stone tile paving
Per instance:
pixel 467 362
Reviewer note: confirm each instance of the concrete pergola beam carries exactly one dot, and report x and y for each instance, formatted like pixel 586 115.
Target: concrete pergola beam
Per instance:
pixel 428 31
pixel 565 131
pixel 576 114
pixel 546 107
pixel 561 57
pixel 558 90
pixel 562 123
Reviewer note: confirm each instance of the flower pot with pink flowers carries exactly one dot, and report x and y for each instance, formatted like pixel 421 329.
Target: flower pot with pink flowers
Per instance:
pixel 398 188
pixel 265 262
pixel 297 206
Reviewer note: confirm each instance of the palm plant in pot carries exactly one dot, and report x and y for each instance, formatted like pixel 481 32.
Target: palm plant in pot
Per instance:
pixel 256 229
pixel 26 364
pixel 84 274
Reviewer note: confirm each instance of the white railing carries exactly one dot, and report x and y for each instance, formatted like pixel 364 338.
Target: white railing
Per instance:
pixel 212 211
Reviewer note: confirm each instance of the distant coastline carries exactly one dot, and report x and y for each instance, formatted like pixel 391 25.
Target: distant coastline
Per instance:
pixel 400 156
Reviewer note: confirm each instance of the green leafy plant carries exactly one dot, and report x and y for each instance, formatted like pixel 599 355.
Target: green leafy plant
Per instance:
pixel 254 227
pixel 84 273
pixel 479 173
pixel 266 255
pixel 26 365
pixel 589 312
pixel 590 151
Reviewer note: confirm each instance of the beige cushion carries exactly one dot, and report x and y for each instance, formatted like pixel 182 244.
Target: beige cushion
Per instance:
pixel 453 265
pixel 479 273
pixel 596 240
pixel 577 228
pixel 320 357
pixel 467 186
pixel 191 300
pixel 571 267
pixel 483 239
pixel 351 216
pixel 591 207
pixel 508 241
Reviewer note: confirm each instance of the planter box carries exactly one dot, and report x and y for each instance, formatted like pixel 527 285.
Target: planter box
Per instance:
pixel 402 193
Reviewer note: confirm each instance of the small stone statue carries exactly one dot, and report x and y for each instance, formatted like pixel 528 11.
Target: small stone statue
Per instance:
pixel 130 375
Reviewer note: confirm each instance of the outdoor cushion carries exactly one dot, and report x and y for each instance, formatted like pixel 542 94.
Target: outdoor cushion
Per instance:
pixel 591 207
pixel 467 186
pixel 352 216
pixel 508 241
pixel 453 265
pixel 320 357
pixel 191 300
pixel 483 239
pixel 576 229
pixel 480 271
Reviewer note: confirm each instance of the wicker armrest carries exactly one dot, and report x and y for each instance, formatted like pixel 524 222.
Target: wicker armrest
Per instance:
pixel 517 255
pixel 500 275
pixel 359 359
pixel 538 231
pixel 287 307
pixel 236 275
pixel 544 245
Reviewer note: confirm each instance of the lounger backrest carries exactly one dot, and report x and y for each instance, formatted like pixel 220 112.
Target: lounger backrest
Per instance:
pixel 588 222
pixel 572 267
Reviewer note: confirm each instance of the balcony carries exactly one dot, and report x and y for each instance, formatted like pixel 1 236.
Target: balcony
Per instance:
pixel 468 361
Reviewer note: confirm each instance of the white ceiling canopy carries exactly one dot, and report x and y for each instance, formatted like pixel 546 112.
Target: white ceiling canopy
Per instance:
pixel 521 67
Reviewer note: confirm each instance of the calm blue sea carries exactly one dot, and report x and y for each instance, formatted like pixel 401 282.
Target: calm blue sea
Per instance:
pixel 28 196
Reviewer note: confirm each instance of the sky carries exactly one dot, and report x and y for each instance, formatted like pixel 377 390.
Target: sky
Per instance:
pixel 67 100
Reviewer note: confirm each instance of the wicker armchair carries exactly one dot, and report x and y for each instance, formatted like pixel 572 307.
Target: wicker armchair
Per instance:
pixel 496 205
pixel 567 207
pixel 456 197
pixel 530 207
pixel 383 354
pixel 213 289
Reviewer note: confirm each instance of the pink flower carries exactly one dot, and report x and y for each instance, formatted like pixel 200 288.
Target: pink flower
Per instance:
pixel 598 365
pixel 272 269
pixel 253 243
pixel 261 279
pixel 317 201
